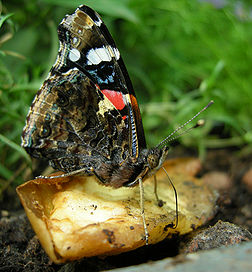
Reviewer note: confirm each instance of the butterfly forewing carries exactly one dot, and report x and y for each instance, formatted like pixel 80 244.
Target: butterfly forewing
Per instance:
pixel 91 48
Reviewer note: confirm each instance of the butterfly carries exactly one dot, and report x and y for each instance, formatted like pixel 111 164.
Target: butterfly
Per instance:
pixel 85 118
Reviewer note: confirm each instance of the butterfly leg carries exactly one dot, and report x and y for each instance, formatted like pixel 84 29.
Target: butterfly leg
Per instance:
pixel 141 189
pixel 160 202
pixel 72 173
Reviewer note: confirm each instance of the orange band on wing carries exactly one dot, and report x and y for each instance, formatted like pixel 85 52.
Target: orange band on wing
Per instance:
pixel 135 105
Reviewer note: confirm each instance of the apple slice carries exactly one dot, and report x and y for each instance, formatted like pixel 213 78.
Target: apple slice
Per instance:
pixel 76 217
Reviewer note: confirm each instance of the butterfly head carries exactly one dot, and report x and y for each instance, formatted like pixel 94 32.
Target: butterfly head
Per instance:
pixel 147 164
pixel 156 158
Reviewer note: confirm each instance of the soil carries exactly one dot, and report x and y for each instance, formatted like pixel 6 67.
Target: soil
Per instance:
pixel 20 249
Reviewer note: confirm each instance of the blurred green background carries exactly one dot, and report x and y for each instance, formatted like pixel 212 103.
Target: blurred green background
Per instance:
pixel 180 55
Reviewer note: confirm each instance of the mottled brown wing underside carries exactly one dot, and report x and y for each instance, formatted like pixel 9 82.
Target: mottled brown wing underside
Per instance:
pixel 69 118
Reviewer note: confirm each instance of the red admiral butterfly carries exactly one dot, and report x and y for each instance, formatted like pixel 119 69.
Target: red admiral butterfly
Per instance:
pixel 85 118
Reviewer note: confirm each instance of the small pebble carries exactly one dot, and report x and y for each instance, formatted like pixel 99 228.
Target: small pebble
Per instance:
pixel 222 233
pixel 247 211
pixel 4 213
pixel 218 180
pixel 247 179
pixel 193 167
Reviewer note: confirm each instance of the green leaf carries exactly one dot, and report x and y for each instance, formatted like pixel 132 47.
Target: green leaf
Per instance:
pixel 15 146
pixel 6 173
pixel 3 18
pixel 113 8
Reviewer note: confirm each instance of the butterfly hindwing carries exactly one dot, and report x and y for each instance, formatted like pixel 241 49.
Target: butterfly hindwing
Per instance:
pixel 70 120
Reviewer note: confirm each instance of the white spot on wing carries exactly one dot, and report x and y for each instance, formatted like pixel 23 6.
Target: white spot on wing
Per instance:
pixel 69 72
pixel 98 22
pixel 92 57
pixel 97 55
pixel 114 52
pixel 117 53
pixel 74 54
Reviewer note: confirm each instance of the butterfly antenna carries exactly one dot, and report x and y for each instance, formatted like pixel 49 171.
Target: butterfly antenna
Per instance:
pixel 199 123
pixel 168 138
pixel 176 200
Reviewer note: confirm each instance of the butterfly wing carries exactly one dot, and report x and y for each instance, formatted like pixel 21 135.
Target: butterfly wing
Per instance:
pixel 86 107
pixel 94 51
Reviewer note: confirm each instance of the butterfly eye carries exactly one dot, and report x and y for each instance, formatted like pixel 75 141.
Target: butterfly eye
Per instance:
pixel 153 160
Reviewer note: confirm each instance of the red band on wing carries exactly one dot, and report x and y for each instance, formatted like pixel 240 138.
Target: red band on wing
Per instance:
pixel 116 98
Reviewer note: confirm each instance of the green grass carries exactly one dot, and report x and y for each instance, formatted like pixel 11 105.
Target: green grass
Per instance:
pixel 180 55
